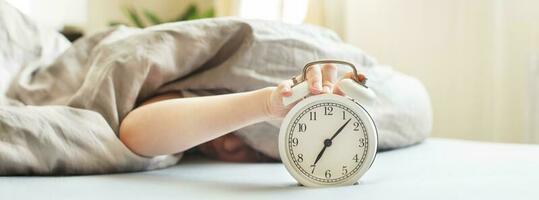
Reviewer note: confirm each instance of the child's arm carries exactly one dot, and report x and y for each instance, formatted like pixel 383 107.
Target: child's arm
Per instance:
pixel 175 125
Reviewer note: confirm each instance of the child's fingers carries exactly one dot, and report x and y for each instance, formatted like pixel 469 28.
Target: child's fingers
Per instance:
pixel 338 91
pixel 329 77
pixel 347 75
pixel 360 77
pixel 314 78
pixel 285 88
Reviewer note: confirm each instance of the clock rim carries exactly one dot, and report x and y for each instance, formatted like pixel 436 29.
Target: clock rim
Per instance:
pixel 369 124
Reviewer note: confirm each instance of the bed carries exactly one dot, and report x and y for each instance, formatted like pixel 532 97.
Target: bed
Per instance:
pixel 64 102
pixel 434 169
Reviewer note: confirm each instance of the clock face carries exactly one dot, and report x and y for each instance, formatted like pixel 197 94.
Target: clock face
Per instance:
pixel 327 141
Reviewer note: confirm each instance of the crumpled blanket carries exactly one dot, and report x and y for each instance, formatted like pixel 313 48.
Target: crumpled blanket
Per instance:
pixel 60 115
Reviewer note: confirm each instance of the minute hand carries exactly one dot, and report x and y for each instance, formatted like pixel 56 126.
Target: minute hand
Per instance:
pixel 330 140
pixel 340 129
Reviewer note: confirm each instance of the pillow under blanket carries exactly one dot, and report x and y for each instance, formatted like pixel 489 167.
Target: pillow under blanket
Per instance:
pixel 23 41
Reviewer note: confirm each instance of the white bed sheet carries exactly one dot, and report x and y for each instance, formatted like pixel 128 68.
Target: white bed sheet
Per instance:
pixel 435 169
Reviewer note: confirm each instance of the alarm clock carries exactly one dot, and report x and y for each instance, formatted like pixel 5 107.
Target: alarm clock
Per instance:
pixel 328 139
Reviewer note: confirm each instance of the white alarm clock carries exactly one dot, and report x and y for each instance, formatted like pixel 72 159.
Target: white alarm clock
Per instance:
pixel 327 139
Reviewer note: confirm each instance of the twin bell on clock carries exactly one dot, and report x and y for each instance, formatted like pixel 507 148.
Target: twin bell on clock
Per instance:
pixel 328 139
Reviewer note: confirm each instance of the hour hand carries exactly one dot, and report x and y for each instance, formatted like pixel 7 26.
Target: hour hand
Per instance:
pixel 320 155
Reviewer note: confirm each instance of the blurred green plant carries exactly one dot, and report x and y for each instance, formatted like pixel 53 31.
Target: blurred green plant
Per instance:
pixel 135 19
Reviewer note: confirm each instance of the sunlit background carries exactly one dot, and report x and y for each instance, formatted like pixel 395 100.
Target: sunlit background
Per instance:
pixel 478 59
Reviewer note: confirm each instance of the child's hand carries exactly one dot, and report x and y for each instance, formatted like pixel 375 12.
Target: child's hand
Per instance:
pixel 320 80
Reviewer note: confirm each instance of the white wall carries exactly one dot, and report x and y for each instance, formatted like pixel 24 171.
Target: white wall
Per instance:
pixel 478 59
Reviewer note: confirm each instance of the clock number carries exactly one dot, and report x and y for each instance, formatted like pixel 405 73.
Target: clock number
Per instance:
pixel 361 142
pixel 312 166
pixel 328 174
pixel 356 126
pixel 312 115
pixel 344 170
pixel 343 115
pixel 328 110
pixel 300 157
pixel 355 158
pixel 302 127
pixel 295 142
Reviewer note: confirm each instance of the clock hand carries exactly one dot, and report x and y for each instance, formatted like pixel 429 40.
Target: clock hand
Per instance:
pixel 320 154
pixel 327 142
pixel 340 129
